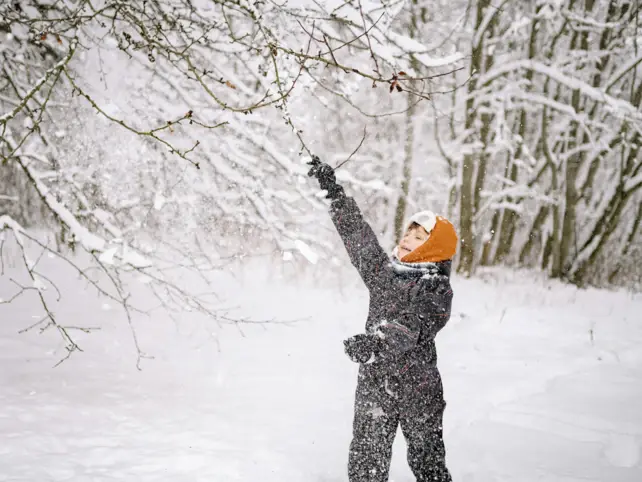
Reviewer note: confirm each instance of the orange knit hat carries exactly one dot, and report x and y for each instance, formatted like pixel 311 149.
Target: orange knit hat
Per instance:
pixel 442 239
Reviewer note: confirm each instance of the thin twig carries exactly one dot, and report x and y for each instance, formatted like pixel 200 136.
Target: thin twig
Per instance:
pixel 354 152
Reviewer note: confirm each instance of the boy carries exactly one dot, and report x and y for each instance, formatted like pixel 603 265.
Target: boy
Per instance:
pixel 410 300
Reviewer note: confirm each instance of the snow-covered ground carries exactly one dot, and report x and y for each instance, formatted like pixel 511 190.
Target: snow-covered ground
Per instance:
pixel 543 383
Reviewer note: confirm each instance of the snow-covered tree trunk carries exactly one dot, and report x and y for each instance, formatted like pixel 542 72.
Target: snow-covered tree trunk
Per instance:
pixel 406 172
pixel 509 216
pixel 469 162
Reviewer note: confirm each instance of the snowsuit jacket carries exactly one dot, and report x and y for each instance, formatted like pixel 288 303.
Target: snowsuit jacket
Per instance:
pixel 407 307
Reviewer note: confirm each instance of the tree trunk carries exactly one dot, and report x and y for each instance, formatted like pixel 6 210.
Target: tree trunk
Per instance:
pixel 573 164
pixel 406 171
pixel 628 243
pixel 509 217
pixel 535 233
pixel 604 45
pixel 610 217
pixel 467 200
pixel 578 276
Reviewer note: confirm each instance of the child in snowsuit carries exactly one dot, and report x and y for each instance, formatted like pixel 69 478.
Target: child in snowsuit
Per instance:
pixel 410 300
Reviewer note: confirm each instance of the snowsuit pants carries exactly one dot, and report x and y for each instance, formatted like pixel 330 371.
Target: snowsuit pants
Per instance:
pixel 382 403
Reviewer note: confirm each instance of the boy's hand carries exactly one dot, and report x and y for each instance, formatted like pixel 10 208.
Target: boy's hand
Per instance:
pixel 326 177
pixel 361 348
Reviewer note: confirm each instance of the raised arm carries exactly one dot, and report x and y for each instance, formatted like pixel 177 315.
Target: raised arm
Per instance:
pixel 358 237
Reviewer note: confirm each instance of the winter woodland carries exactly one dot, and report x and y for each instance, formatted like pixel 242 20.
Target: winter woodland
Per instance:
pixel 164 138
pixel 153 188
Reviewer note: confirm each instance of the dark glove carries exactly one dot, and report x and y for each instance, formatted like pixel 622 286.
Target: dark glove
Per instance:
pixel 362 348
pixel 326 177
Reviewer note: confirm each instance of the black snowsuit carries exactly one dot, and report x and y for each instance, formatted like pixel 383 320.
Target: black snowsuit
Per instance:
pixel 401 385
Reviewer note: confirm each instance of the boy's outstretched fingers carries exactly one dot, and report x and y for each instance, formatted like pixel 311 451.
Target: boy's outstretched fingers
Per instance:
pixel 326 177
pixel 314 170
pixel 315 165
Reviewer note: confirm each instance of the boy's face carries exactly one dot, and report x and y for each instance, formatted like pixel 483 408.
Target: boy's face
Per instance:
pixel 415 236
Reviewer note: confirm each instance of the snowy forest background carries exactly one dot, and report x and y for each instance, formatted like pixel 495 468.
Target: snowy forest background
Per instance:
pixel 154 203
pixel 166 138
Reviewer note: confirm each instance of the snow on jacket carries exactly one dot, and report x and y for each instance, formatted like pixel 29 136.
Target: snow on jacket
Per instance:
pixel 409 302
